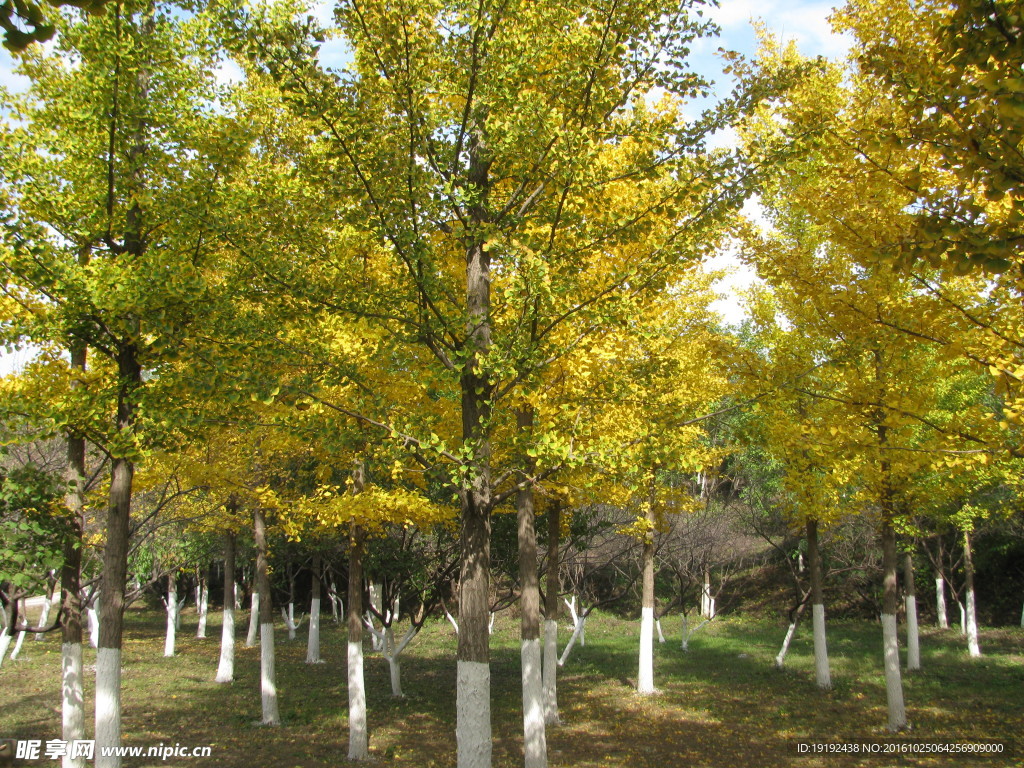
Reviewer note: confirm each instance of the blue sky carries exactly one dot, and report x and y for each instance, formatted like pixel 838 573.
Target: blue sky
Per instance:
pixel 803 21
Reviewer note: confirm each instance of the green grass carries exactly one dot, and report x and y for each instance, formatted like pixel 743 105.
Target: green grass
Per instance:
pixel 720 704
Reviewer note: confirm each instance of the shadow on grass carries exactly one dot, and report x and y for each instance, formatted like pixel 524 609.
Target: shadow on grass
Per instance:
pixel 721 704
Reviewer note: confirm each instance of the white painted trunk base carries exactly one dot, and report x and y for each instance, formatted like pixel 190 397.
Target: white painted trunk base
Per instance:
pixel 661 635
pixel 688 633
pixel 940 603
pixel 550 674
pixel 577 634
pixel 226 667
pixel 108 706
pixel 93 615
pixel 289 620
pixel 535 750
pixel 254 620
pixel 473 707
pixel 578 628
pixel 5 643
pixel 822 672
pixel 972 626
pixel 452 621
pixel 963 618
pixel 17 645
pixel 172 624
pixel 395 670
pixel 645 677
pixel 893 680
pixel 44 617
pixel 72 701
pixel 204 607
pixel 313 640
pixel 268 676
pixel 780 660
pixel 913 636
pixel 358 743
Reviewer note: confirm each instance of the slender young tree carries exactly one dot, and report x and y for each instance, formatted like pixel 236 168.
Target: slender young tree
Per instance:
pixel 534 737
pixel 645 676
pixel 551 595
pixel 226 665
pixel 910 606
pixel 822 672
pixel 73 695
pixel 313 640
pixel 358 743
pixel 268 673
pixel 971 616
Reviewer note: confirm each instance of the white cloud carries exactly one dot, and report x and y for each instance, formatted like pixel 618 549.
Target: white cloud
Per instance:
pixel 804 22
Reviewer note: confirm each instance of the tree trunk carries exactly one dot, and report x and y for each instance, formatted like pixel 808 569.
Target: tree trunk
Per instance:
pixel 534 739
pixel 473 683
pixel 473 698
pixel 226 667
pixel 395 670
pixel 313 639
pixel 268 675
pixel 688 633
pixel 551 716
pixel 254 618
pixel 913 637
pixel 358 741
pixel 822 673
pixel 172 614
pixel 780 658
pixel 890 640
pixel 202 601
pixel 93 615
pixel 72 694
pixel 17 645
pixel 577 634
pixel 940 590
pixel 376 638
pixel 44 616
pixel 971 616
pixel 940 602
pixel 6 633
pixel 707 602
pixel 645 678
pixel 115 568
pixel 577 621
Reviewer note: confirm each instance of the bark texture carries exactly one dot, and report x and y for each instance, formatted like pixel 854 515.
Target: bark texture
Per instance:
pixel 268 673
pixel 822 672
pixel 890 641
pixel 534 740
pixel 226 666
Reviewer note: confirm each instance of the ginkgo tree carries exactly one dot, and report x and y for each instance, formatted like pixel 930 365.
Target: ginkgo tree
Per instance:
pixel 879 431
pixel 905 159
pixel 119 117
pixel 490 172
